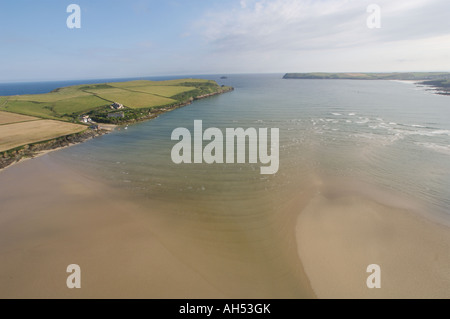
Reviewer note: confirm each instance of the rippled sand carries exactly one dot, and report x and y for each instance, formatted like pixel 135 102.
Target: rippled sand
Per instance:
pixel 51 215
pixel 340 233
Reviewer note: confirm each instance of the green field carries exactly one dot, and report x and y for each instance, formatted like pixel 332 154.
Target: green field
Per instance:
pixel 132 99
pixel 2 100
pixel 162 90
pixel 52 97
pixel 59 109
pixel 78 104
pixel 179 82
pixel 69 103
pixel 28 108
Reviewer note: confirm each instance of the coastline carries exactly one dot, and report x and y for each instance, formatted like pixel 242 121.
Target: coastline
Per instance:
pixel 437 87
pixel 26 153
pixel 30 151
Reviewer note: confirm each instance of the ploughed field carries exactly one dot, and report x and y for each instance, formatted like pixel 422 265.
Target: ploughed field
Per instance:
pixel 18 130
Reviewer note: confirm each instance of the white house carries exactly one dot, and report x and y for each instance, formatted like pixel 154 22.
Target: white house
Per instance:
pixel 85 119
pixel 116 106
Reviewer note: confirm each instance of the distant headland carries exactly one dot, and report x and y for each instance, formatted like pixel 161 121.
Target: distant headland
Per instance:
pixel 406 76
pixel 439 81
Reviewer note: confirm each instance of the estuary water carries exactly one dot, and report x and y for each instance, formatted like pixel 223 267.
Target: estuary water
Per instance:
pixel 355 158
pixel 391 135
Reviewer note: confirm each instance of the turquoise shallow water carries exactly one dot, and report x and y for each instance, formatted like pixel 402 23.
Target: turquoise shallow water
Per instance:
pixel 391 135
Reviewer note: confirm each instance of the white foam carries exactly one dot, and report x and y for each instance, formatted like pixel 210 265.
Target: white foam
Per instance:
pixel 444 149
pixel 440 132
pixel 428 133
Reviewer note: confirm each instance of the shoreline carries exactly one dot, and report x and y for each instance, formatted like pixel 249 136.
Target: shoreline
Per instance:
pixel 30 151
pixel 33 154
pixel 436 87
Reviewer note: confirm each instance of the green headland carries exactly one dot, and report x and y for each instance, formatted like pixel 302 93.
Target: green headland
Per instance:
pixel 134 99
pixel 438 81
pixel 34 123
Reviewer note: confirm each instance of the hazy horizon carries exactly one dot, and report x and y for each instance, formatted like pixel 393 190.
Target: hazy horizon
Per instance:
pixel 132 78
pixel 145 38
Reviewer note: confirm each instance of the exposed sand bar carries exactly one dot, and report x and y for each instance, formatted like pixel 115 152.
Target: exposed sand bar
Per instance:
pixel 340 233
pixel 52 215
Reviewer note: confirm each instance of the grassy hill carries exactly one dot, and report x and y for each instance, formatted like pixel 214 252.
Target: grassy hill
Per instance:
pixel 32 123
pixel 138 97
pixel 413 76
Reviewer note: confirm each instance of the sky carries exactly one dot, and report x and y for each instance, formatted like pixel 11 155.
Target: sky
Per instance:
pixel 140 38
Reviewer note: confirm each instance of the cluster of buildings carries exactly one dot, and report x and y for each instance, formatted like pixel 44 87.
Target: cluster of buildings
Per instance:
pixel 86 119
pixel 115 106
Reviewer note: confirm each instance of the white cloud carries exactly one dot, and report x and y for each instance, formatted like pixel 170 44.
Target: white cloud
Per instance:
pixel 274 34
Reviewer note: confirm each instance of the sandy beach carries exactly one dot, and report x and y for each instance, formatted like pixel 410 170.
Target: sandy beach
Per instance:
pixel 340 233
pixel 52 216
